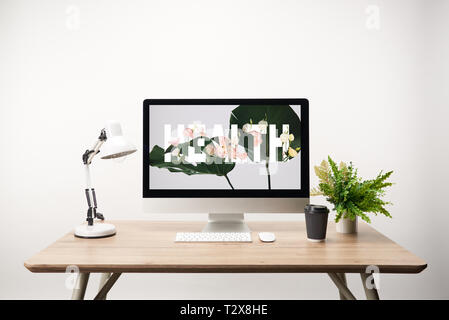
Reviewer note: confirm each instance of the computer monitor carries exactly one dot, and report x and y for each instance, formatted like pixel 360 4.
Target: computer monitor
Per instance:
pixel 225 157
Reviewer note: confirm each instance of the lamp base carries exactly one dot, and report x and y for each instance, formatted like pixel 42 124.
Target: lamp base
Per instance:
pixel 99 230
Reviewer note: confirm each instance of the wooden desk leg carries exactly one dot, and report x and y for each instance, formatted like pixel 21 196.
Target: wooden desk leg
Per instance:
pixel 101 295
pixel 81 285
pixel 371 294
pixel 341 286
pixel 342 276
pixel 103 280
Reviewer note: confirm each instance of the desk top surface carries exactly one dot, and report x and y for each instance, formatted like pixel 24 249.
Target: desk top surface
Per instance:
pixel 148 246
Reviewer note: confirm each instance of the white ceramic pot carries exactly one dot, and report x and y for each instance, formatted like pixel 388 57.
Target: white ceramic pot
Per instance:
pixel 347 225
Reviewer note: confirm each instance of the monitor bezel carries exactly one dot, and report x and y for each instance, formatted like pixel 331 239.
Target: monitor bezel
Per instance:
pixel 220 193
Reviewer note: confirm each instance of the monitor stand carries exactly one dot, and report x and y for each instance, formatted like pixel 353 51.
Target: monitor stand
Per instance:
pixel 226 222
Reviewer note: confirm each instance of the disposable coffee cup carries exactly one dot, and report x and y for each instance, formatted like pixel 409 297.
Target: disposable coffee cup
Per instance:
pixel 316 222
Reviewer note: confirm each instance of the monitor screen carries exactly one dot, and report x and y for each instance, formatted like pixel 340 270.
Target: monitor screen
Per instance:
pixel 225 148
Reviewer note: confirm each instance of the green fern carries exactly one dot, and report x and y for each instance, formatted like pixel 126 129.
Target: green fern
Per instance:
pixel 350 195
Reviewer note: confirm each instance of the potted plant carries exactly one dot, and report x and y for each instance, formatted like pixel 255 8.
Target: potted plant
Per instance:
pixel 351 196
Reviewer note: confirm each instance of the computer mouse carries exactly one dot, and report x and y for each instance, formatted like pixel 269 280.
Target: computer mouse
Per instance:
pixel 266 236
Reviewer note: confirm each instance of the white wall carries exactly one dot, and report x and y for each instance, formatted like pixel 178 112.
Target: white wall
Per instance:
pixel 378 97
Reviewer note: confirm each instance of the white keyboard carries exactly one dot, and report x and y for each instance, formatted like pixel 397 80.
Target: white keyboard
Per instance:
pixel 213 237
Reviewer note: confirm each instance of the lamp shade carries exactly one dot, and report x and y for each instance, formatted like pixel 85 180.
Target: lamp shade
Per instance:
pixel 116 145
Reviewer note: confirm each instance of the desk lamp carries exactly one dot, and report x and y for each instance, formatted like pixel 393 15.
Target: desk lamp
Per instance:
pixel 115 146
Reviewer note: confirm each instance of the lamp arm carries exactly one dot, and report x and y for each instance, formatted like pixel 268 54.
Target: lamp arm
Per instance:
pixel 91 199
pixel 90 154
pixel 89 190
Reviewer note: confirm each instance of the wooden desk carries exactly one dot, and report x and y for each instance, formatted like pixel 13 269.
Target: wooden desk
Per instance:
pixel 148 246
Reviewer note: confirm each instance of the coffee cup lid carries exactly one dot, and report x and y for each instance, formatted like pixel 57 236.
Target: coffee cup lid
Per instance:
pixel 315 208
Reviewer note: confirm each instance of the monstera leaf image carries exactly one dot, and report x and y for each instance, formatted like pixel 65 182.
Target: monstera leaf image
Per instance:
pixel 246 116
pixel 213 149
